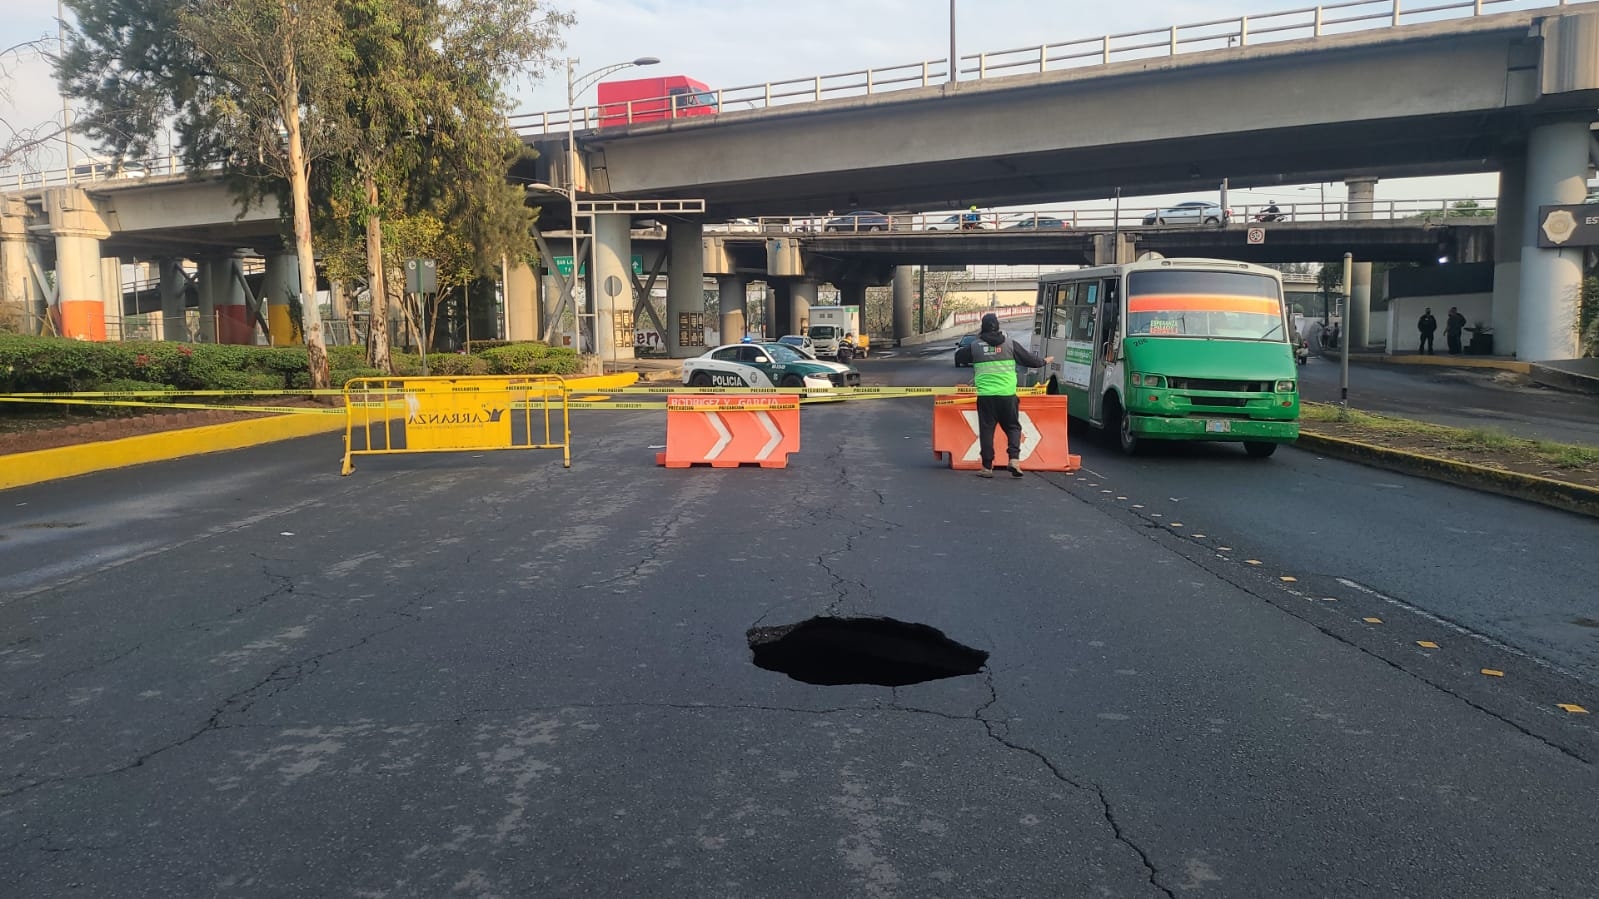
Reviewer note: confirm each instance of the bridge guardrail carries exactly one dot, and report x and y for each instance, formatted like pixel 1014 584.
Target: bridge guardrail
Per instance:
pixel 1452 209
pixel 1236 31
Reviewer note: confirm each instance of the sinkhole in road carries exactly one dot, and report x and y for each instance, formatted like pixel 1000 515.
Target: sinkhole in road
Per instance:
pixel 831 652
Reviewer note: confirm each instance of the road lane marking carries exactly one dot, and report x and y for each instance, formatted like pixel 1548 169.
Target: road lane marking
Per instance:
pixel 1426 644
pixel 1459 629
pixel 1493 672
pixel 1573 708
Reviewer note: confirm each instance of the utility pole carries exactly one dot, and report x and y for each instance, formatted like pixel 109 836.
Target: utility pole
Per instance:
pixel 954 61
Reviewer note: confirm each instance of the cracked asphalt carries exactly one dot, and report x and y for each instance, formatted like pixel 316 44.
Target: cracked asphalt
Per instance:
pixel 484 675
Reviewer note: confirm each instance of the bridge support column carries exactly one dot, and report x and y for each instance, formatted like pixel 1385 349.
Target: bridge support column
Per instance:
pixel 803 295
pixel 685 284
pixel 1551 279
pixel 612 286
pixel 1362 193
pixel 234 323
pixel 280 284
pixel 1507 252
pixel 904 296
pixel 112 297
pixel 522 313
pixel 1116 248
pixel 779 306
pixel 18 303
pixel 211 276
pixel 174 300
pixel 730 291
pixel 79 311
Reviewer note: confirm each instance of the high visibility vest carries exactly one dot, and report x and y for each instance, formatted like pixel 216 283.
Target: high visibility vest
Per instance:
pixel 994 368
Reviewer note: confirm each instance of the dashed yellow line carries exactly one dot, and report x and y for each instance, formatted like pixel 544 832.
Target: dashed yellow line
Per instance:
pixel 1426 644
pixel 1493 672
pixel 1573 708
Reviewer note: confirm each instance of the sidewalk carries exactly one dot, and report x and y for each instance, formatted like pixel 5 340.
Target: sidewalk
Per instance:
pixel 1474 392
pixel 1575 375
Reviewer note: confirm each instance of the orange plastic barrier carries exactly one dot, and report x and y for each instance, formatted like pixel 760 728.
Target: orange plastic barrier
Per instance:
pixel 1044 443
pixel 726 431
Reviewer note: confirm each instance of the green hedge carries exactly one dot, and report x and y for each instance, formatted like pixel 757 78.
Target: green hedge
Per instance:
pixel 33 364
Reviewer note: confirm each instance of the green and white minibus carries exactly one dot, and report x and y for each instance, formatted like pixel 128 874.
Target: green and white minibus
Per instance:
pixel 1172 349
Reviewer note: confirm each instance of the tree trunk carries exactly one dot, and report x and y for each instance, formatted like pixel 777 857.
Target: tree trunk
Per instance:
pixel 377 345
pixel 299 186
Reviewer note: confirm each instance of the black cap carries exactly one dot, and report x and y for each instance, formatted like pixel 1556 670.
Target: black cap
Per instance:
pixel 990 323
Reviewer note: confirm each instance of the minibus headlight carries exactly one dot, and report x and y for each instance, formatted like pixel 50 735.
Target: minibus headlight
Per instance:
pixel 1154 382
pixel 1285 386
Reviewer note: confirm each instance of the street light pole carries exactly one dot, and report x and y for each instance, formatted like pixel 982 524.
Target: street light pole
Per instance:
pixel 575 86
pixel 954 61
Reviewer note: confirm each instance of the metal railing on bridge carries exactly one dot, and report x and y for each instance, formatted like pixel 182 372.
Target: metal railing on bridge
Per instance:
pixel 1217 34
pixel 1454 210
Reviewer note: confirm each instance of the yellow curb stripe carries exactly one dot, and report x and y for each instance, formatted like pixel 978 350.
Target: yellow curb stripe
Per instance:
pixel 39 466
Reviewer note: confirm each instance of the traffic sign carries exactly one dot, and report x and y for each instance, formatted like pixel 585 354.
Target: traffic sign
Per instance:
pixel 563 264
pixel 421 276
pixel 1257 235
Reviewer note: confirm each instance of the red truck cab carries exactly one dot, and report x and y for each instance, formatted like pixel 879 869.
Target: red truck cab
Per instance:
pixel 653 99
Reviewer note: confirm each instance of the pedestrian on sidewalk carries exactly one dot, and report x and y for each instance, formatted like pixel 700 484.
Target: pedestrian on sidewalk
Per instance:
pixel 1453 325
pixel 1426 325
pixel 994 360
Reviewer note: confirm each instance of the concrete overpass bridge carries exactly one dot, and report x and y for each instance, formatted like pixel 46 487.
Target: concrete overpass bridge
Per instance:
pixel 1258 100
pixel 1428 88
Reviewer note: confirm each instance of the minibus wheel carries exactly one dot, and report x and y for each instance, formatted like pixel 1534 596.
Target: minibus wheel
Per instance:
pixel 1122 423
pixel 1259 449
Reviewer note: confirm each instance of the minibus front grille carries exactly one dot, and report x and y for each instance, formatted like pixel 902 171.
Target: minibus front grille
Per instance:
pixel 1220 385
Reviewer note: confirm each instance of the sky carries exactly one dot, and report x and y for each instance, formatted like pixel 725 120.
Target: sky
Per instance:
pixel 729 43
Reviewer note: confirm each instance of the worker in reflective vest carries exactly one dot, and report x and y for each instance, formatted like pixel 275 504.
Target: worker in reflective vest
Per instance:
pixel 994 361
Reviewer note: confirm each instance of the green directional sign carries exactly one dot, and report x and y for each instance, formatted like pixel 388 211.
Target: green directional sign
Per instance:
pixel 563 264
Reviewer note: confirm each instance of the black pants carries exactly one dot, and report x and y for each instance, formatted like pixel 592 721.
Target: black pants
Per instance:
pixel 1003 411
pixel 1454 342
pixel 1426 341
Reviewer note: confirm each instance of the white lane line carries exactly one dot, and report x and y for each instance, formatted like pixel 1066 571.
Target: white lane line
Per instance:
pixel 1459 629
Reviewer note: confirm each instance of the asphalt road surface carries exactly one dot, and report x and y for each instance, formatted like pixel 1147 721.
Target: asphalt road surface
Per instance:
pixel 484 675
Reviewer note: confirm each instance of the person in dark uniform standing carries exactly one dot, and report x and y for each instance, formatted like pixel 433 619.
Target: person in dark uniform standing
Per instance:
pixel 1426 325
pixel 994 361
pixel 1453 325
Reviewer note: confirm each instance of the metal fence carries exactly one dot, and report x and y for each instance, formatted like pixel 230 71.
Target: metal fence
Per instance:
pixel 1217 34
pixel 1453 210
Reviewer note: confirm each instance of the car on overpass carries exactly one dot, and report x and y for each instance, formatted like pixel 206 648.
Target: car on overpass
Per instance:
pixel 1032 221
pixel 960 221
pixel 765 365
pixel 1190 212
pixel 863 220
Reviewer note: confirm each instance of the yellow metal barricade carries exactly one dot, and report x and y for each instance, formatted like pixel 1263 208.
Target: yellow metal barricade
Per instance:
pixel 473 413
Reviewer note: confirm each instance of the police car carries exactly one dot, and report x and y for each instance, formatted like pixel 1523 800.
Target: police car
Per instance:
pixel 765 365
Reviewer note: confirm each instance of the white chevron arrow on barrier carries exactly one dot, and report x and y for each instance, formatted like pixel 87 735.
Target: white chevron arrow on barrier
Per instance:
pixel 723 436
pixel 1030 436
pixel 772 432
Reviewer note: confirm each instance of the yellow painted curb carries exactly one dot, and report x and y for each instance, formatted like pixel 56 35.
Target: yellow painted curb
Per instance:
pixel 21 469
pixel 1555 494
pixel 1447 361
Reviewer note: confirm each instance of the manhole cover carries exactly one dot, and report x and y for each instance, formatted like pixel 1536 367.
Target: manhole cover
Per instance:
pixel 880 651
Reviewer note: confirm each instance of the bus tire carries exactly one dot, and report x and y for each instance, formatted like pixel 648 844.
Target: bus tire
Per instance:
pixel 1120 424
pixel 699 379
pixel 1259 449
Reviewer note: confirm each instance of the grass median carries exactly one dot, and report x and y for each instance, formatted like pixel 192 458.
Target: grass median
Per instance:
pixel 1483 447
